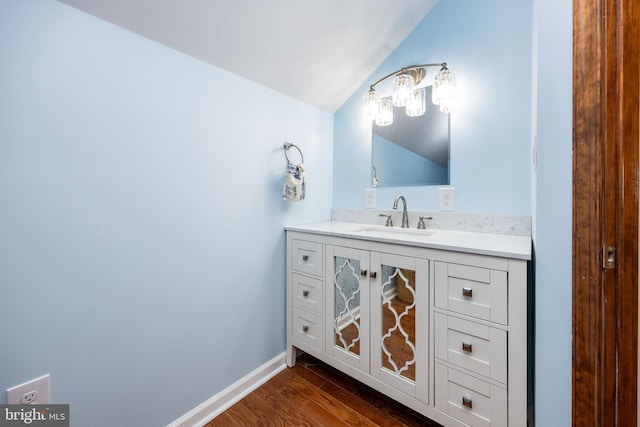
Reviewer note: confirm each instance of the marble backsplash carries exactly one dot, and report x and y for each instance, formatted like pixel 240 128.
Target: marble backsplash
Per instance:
pixel 518 225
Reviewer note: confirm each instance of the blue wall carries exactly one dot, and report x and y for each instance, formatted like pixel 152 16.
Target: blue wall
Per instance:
pixel 513 64
pixel 488 45
pixel 552 210
pixel 142 258
pixel 139 214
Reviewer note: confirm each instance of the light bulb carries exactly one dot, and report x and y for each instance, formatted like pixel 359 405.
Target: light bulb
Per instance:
pixel 402 89
pixel 416 106
pixel 371 104
pixel 385 114
pixel 444 89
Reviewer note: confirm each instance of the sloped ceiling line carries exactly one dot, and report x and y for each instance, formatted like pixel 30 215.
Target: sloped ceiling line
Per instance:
pixel 326 48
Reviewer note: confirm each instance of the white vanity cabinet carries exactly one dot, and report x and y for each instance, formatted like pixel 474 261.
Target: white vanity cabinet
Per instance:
pixel 443 332
pixel 480 339
pixel 377 316
pixel 305 294
pixel 347 290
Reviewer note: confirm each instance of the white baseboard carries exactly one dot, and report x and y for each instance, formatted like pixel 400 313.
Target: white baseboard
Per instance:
pixel 208 410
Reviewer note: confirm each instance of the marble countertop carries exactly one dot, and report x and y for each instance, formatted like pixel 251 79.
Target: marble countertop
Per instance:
pixel 504 245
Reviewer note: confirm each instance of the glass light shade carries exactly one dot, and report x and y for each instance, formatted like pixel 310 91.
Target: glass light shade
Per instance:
pixel 444 89
pixel 445 107
pixel 385 113
pixel 416 106
pixel 402 89
pixel 371 104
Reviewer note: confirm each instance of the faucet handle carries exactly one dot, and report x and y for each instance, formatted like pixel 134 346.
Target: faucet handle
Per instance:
pixel 421 225
pixel 389 222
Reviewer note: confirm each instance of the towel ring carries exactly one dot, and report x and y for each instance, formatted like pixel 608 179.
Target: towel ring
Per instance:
pixel 288 145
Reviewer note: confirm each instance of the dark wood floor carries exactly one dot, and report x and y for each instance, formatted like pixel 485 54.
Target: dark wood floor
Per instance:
pixel 314 394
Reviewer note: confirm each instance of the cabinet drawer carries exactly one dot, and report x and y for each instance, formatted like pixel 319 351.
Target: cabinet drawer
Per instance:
pixel 474 291
pixel 307 328
pixel 470 400
pixel 307 293
pixel 478 348
pixel 307 257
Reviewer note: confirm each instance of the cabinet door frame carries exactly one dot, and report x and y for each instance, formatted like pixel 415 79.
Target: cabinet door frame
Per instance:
pixel 360 362
pixel 419 389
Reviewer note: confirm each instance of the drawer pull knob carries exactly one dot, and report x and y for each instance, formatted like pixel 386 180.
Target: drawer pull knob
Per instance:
pixel 305 328
pixel 363 273
pixel 305 257
pixel 467 402
pixel 466 346
pixel 467 292
pixel 373 274
pixel 305 293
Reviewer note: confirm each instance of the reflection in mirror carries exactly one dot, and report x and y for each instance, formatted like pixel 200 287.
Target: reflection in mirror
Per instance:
pixel 412 150
pixel 398 342
pixel 346 321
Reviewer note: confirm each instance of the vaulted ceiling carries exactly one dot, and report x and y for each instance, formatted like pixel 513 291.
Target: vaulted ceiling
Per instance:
pixel 318 52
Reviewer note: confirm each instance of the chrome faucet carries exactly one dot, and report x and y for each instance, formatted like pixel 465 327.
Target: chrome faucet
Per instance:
pixel 405 217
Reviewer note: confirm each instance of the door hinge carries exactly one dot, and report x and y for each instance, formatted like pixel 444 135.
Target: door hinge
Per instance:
pixel 608 257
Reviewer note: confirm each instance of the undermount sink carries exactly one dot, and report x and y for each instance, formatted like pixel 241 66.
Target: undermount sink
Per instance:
pixel 391 231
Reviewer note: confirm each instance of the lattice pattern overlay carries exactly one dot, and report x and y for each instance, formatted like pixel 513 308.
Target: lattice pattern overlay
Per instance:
pixel 347 305
pixel 398 322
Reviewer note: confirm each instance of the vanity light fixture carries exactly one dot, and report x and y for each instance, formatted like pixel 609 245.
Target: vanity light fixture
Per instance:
pixel 408 93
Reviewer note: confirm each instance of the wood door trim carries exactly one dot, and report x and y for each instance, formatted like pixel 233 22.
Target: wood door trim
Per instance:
pixel 605 211
pixel 587 134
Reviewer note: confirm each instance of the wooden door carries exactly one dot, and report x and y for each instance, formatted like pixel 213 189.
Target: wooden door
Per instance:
pixel 605 211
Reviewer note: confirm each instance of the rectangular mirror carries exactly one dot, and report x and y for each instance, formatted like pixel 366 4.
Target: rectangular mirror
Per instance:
pixel 412 150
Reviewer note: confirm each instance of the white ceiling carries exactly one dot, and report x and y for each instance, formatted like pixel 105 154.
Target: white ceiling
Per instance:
pixel 318 52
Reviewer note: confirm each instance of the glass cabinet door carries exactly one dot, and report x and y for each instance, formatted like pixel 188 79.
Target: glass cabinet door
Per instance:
pixel 399 329
pixel 347 302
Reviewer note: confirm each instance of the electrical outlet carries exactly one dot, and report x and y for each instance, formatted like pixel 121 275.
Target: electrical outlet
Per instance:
pixel 29 397
pixel 370 198
pixel 30 393
pixel 447 199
